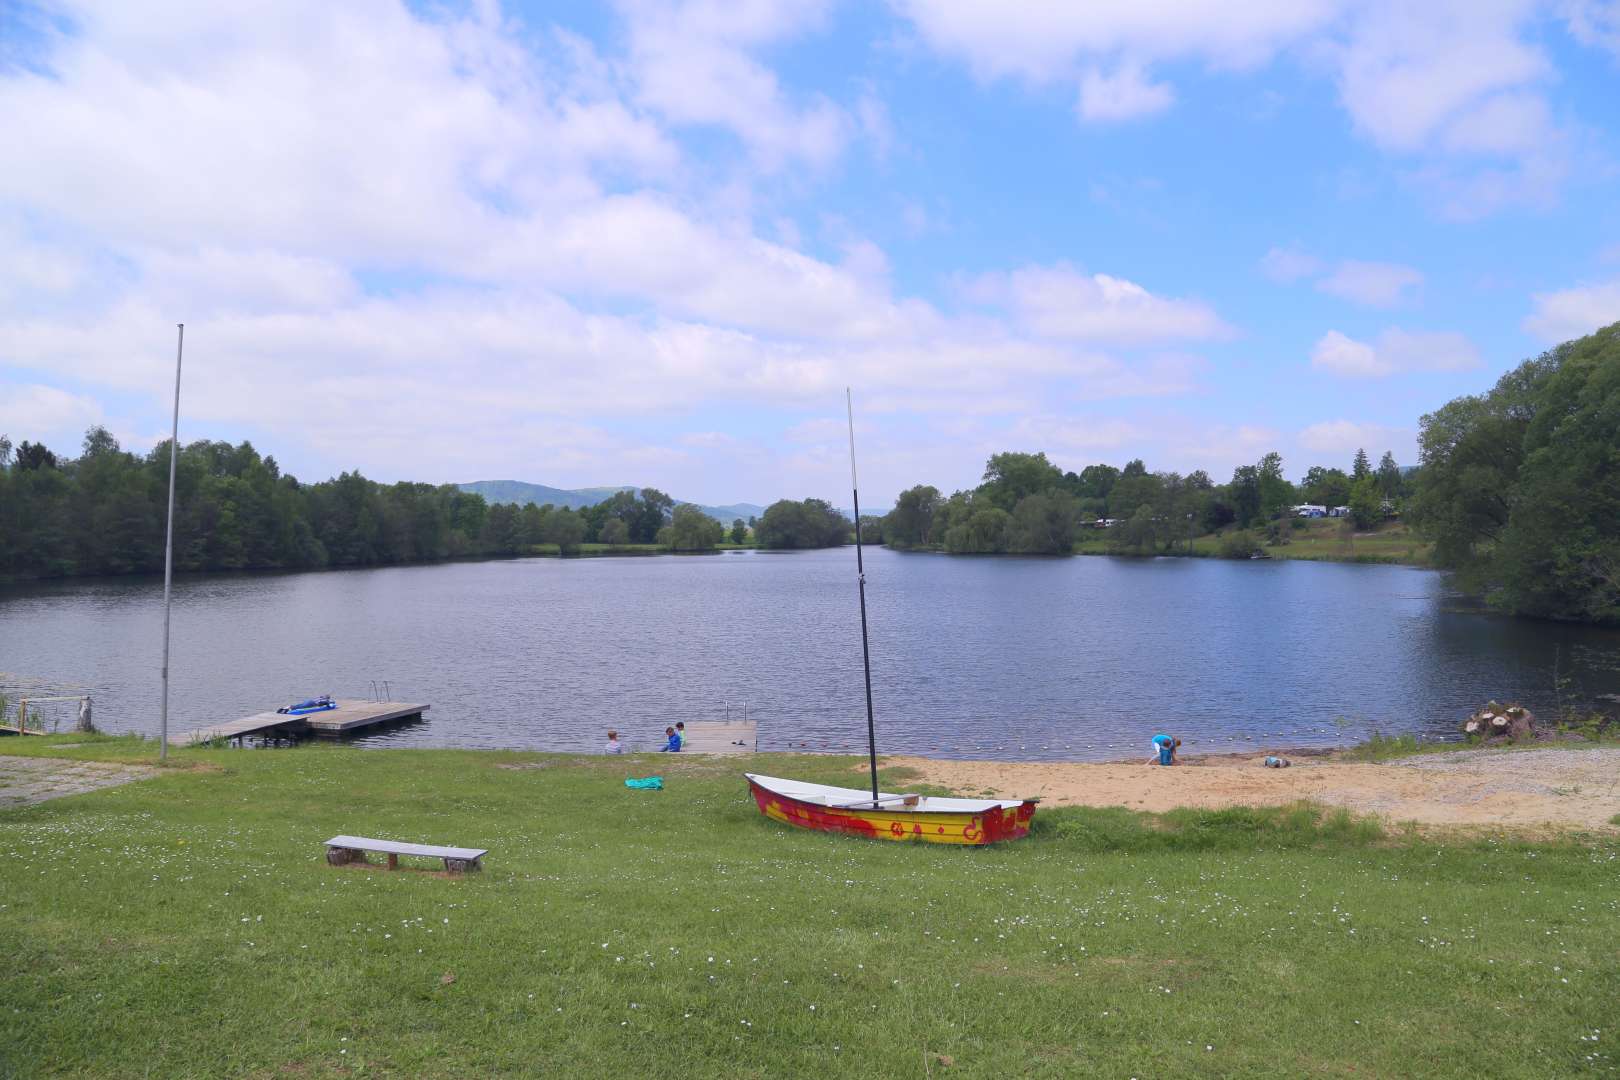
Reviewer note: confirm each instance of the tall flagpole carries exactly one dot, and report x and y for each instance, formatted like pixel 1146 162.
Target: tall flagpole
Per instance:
pixel 168 548
pixel 860 571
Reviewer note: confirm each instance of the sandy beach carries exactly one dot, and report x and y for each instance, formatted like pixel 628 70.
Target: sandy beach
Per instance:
pixel 1532 789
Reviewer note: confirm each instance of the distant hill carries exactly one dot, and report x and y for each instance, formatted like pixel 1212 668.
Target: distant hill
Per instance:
pixel 521 493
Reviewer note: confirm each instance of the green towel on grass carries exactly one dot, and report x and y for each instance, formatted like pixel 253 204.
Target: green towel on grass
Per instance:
pixel 646 783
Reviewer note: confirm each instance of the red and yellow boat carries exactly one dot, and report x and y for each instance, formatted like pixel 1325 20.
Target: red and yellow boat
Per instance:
pixel 926 818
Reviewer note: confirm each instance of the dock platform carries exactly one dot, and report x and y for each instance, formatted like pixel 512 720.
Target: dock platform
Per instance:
pixel 721 737
pixel 350 715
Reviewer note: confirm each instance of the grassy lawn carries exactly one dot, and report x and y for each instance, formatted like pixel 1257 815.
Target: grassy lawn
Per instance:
pixel 188 926
pixel 1322 540
pixel 1316 541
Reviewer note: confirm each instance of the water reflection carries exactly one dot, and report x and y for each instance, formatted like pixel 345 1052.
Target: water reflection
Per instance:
pixel 989 657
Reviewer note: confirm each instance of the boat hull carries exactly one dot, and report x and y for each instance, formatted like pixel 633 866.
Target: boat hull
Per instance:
pixel 988 826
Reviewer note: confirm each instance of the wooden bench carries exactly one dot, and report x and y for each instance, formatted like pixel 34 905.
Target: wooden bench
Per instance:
pixel 457 860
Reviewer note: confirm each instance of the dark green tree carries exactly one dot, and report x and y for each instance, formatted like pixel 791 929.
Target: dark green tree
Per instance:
pixel 1361 468
pixel 690 529
pixel 566 529
pixel 1244 492
pixel 911 523
pixel 812 523
pixel 1390 482
pixel 1044 524
pixel 1010 477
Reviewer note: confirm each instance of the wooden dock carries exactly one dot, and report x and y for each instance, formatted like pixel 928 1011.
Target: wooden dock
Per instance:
pixel 721 737
pixel 349 716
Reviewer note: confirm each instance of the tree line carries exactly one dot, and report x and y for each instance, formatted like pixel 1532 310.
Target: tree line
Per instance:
pixel 103 513
pixel 1518 488
pixel 1520 485
pixel 1026 504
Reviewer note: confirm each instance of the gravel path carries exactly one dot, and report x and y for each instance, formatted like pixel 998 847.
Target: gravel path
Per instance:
pixel 27 780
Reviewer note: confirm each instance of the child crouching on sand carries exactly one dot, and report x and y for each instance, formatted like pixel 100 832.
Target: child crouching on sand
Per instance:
pixel 1164 750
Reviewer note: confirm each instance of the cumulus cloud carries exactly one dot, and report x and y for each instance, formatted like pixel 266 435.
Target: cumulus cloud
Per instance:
pixel 1044 43
pixel 46 414
pixel 1288 265
pixel 1572 313
pixel 1593 22
pixel 1345 437
pixel 1063 302
pixel 691 61
pixel 1372 284
pixel 1395 351
pixel 1455 85
pixel 1124 94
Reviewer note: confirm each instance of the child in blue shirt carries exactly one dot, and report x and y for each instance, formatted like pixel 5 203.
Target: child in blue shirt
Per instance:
pixel 1164 749
pixel 674 744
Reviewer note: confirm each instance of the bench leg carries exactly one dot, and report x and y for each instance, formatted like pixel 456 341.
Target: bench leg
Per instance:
pixel 463 866
pixel 339 856
pixel 393 861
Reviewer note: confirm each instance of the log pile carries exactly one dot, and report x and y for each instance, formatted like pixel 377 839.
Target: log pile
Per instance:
pixel 1501 723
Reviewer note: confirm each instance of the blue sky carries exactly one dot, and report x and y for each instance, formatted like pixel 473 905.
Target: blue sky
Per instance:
pixel 651 243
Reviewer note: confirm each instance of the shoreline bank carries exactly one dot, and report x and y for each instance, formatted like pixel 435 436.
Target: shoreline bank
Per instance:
pixel 1565 788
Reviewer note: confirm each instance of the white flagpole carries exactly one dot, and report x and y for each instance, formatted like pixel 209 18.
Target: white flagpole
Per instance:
pixel 168 548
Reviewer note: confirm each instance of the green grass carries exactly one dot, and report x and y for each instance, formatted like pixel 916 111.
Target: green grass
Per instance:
pixel 1319 540
pixel 188 926
pixel 1390 747
pixel 1323 541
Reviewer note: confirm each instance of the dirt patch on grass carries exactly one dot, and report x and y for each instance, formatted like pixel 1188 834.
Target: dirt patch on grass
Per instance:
pixel 28 780
pixel 1532 791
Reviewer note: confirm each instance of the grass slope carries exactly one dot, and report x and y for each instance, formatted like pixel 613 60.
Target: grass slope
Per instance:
pixel 1315 541
pixel 187 926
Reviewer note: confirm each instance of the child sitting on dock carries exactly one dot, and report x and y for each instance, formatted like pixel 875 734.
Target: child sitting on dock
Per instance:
pixel 614 746
pixel 1164 749
pixel 680 732
pixel 674 744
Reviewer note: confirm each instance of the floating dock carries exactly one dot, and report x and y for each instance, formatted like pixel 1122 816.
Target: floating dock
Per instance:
pixel 721 737
pixel 349 716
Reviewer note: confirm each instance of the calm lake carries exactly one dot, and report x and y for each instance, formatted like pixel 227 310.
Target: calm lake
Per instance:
pixel 973 657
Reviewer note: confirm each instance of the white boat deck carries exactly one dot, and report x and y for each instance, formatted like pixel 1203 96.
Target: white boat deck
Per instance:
pixel 857 799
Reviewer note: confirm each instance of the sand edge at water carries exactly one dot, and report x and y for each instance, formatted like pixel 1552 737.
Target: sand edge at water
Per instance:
pixel 1536 789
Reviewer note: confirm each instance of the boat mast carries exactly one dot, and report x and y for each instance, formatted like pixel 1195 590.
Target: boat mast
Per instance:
pixel 168 548
pixel 860 573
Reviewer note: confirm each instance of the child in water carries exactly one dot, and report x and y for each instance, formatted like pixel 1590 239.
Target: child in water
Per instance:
pixel 614 746
pixel 1164 750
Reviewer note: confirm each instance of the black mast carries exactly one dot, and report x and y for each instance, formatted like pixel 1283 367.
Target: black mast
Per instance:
pixel 860 572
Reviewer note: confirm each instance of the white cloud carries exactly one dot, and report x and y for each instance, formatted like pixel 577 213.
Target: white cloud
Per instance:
pixel 1396 351
pixel 1455 85
pixel 691 62
pixel 1288 265
pixel 1572 313
pixel 1046 42
pixel 1062 302
pixel 46 414
pixel 1345 437
pixel 1593 22
pixel 1408 71
pixel 1124 94
pixel 1373 284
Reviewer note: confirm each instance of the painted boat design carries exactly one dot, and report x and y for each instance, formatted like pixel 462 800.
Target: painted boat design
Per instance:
pixel 921 818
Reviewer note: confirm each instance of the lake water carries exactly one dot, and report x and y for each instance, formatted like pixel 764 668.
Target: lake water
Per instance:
pixel 972 657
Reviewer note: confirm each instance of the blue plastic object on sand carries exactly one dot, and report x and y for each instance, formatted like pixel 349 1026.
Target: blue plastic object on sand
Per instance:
pixel 645 783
